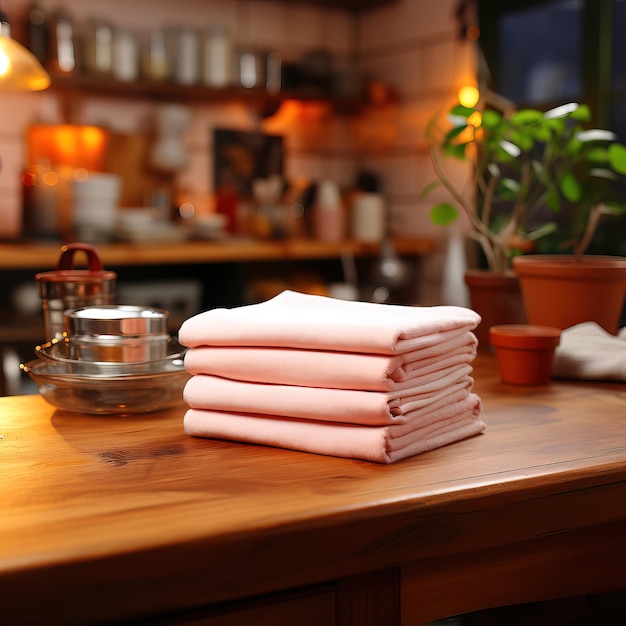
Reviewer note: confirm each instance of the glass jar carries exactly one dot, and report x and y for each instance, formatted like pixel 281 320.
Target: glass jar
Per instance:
pixel 125 56
pixel 187 57
pixel 155 58
pixel 99 48
pixel 217 58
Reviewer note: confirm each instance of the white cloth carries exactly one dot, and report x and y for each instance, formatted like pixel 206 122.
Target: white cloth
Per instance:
pixel 587 351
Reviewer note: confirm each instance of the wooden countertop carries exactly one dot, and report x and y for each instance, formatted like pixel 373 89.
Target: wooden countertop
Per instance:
pixel 44 256
pixel 106 519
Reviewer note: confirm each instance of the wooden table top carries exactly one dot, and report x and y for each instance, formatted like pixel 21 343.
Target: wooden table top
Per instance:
pixel 89 504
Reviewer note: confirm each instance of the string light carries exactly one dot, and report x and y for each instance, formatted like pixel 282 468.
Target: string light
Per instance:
pixel 468 96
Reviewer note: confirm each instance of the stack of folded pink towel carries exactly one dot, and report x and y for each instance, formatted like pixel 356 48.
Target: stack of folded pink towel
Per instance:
pixel 352 379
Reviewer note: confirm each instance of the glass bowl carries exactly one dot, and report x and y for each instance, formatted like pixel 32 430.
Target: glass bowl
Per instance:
pixel 69 352
pixel 64 386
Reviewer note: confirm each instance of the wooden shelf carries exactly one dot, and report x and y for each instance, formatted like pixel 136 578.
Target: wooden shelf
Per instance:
pixel 44 257
pixel 79 85
pixel 354 6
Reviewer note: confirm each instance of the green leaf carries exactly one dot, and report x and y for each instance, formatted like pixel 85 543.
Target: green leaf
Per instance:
pixel 526 116
pixel 565 110
pixel 582 113
pixel 556 125
pixel 617 157
pixel 505 195
pixel 614 209
pixel 510 185
pixel 491 119
pixel 510 148
pixel 523 139
pixel 553 200
pixel 572 147
pixel 602 172
pixel 494 170
pixel 429 188
pixel 538 169
pixel 596 134
pixel 443 214
pixel 541 132
pixel 542 231
pixel 570 188
pixel 461 111
pixel 452 134
pixel 598 155
pixel 456 151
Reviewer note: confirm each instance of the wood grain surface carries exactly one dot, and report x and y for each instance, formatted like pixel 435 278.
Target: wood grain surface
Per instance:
pixel 106 519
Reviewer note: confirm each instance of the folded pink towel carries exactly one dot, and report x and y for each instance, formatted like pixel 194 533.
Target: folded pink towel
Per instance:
pixel 339 370
pixel 381 444
pixel 299 320
pixel 339 405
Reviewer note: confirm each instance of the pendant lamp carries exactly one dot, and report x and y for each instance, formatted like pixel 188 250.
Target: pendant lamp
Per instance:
pixel 20 70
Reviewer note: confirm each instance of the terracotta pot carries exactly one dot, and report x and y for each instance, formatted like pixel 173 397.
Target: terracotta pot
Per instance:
pixel 525 353
pixel 497 298
pixel 560 291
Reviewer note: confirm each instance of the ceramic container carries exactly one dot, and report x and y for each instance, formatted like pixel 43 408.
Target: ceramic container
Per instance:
pixel 525 352
pixel 368 217
pixel 94 205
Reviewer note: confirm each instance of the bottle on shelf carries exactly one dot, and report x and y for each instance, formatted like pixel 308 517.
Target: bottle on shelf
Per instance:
pixel 328 213
pixel 217 58
pixel 61 49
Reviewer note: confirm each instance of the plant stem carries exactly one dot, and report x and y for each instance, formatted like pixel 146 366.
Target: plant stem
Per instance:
pixel 489 242
pixel 595 216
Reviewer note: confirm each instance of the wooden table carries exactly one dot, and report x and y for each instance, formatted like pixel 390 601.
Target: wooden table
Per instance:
pixel 117 519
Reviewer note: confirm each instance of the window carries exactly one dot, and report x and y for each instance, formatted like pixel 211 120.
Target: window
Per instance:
pixel 546 52
pixel 539 48
pixel 543 53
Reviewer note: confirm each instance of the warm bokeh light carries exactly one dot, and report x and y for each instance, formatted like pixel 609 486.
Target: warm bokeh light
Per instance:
pixel 467 135
pixel 472 32
pixel 468 95
pixel 50 178
pixel 475 119
pixel 5 63
pixel 19 68
pixel 186 210
pixel 70 145
pixel 80 173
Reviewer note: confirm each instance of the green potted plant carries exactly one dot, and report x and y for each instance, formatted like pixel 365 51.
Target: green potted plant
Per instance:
pixel 529 170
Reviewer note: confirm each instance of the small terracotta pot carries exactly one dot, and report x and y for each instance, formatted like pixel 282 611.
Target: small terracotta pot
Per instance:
pixel 525 353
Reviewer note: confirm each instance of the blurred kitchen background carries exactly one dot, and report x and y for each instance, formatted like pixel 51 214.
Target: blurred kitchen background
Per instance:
pixel 382 68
